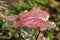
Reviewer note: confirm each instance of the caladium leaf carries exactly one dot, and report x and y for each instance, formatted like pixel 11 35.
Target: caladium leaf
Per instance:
pixel 8 18
pixel 36 12
pixel 34 18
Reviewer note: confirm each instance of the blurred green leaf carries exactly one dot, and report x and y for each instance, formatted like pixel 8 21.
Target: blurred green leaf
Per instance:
pixel 43 2
pixel 58 36
pixel 58 10
pixel 58 23
pixel 49 35
pixel 5 24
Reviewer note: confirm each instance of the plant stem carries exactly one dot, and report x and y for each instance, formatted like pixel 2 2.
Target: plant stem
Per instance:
pixel 38 35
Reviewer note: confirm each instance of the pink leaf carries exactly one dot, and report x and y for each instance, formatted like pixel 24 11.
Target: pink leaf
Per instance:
pixel 35 12
pixel 34 18
pixel 8 18
pixel 44 38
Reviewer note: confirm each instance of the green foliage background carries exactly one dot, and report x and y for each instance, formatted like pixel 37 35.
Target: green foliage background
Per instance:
pixel 16 7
